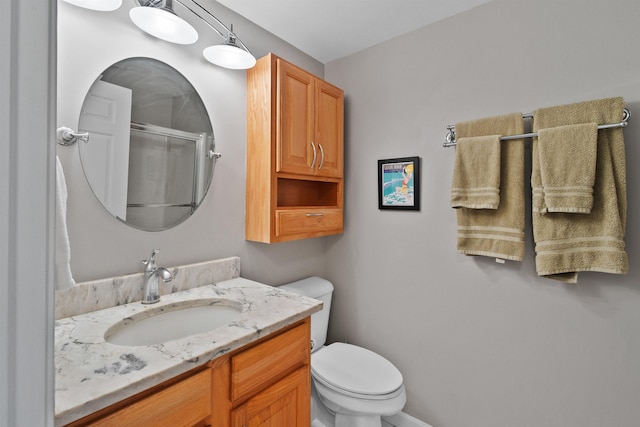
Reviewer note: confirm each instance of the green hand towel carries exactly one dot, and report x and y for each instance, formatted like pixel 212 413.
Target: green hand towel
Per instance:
pixel 567 168
pixel 497 232
pixel 476 173
pixel 567 243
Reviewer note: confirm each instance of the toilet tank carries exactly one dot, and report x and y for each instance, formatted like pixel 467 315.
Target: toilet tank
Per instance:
pixel 321 289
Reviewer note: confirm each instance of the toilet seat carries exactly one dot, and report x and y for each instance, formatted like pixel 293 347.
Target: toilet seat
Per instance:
pixel 355 371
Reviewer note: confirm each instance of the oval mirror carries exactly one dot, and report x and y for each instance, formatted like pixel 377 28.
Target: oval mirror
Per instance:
pixel 151 151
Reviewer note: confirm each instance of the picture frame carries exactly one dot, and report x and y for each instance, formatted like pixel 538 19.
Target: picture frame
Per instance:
pixel 399 183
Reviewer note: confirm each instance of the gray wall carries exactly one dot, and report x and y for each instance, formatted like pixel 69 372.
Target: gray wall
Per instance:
pixel 101 246
pixel 27 173
pixel 483 344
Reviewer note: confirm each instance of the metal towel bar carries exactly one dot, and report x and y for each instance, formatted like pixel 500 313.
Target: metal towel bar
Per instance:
pixel 451 135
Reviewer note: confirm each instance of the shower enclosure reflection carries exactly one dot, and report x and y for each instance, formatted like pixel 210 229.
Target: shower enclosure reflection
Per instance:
pixel 151 152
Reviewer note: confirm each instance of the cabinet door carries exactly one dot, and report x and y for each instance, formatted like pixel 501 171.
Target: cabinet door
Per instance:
pixel 284 404
pixel 296 150
pixel 329 128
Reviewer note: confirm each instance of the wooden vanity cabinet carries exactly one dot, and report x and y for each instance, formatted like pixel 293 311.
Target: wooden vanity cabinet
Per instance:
pixel 283 404
pixel 184 401
pixel 270 382
pixel 295 153
pixel 266 383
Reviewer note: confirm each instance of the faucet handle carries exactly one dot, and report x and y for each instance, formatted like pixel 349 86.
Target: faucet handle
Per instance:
pixel 151 262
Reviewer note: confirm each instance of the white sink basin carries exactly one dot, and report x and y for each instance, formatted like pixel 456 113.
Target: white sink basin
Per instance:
pixel 166 323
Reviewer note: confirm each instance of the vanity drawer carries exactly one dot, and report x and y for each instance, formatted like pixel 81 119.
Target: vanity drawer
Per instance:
pixel 308 221
pixel 263 364
pixel 185 403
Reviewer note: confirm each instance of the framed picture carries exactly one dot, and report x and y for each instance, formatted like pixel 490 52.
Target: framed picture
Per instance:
pixel 399 183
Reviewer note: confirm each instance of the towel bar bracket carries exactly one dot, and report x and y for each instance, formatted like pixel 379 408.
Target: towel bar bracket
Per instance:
pixel 66 136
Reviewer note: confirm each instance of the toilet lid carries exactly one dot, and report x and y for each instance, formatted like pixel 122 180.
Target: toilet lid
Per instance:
pixel 355 369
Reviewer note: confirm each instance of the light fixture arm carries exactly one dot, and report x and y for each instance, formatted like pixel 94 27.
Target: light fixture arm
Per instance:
pixel 162 4
pixel 230 37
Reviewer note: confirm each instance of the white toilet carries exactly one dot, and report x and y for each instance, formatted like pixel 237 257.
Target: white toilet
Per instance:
pixel 356 385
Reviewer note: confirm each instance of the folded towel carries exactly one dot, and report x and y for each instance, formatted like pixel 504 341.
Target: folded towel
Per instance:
pixel 497 232
pixel 476 173
pixel 567 243
pixel 567 168
pixel 62 268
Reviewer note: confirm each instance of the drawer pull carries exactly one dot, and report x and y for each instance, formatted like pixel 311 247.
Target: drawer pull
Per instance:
pixel 315 214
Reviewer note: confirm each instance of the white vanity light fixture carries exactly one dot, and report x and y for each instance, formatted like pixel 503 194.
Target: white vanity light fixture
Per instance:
pixel 100 5
pixel 233 54
pixel 229 55
pixel 157 18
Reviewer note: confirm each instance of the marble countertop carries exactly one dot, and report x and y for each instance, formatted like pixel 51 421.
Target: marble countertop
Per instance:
pixel 92 374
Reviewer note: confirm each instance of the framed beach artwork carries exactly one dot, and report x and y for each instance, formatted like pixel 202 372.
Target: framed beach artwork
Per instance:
pixel 399 183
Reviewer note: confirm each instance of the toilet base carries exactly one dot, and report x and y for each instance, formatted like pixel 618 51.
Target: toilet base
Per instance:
pixel 343 420
pixel 332 415
pixel 321 416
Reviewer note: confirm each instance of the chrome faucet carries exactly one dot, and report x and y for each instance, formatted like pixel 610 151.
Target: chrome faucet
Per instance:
pixel 151 274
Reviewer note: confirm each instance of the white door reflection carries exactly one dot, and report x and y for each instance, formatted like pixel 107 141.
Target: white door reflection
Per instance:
pixel 106 112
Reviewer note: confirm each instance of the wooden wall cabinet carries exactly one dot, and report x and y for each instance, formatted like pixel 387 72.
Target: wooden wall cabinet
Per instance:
pixel 266 383
pixel 310 134
pixel 295 153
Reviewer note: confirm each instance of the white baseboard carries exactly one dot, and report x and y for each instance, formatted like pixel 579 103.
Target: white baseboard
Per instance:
pixel 402 420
